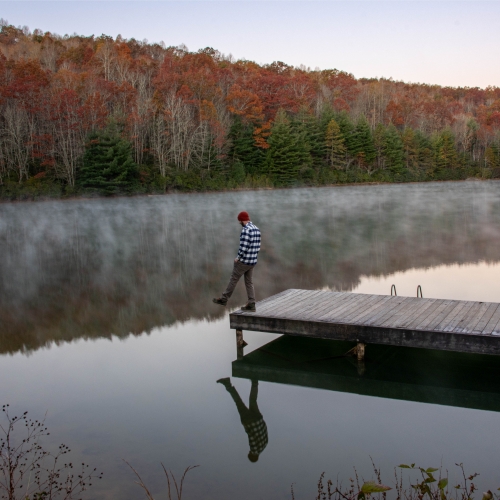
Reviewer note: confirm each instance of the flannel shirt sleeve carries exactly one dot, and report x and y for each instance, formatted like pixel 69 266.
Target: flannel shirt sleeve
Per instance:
pixel 245 243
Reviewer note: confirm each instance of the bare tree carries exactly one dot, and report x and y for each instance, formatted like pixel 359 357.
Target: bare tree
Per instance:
pixel 28 470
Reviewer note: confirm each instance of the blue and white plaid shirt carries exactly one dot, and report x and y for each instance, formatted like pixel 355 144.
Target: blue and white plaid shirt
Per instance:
pixel 257 435
pixel 249 244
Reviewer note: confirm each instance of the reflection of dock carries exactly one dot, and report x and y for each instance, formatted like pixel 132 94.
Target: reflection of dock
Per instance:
pixel 450 325
pixel 427 376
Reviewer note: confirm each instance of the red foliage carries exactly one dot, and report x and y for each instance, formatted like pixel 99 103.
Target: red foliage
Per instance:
pixel 74 84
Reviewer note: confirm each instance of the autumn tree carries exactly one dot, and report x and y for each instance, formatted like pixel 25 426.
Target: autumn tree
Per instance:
pixel 190 113
pixel 23 95
pixel 69 129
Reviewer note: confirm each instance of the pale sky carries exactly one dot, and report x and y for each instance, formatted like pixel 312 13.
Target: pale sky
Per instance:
pixel 444 42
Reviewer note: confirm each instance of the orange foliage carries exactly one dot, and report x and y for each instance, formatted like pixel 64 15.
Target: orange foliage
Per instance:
pixel 79 82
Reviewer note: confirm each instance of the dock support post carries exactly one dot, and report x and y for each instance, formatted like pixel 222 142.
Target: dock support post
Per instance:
pixel 240 344
pixel 360 351
pixel 361 368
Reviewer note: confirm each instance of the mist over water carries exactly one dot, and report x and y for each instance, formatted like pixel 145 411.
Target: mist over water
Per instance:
pixel 94 268
pixel 136 276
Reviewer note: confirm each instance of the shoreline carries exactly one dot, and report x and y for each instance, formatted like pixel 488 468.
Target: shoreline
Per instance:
pixel 239 189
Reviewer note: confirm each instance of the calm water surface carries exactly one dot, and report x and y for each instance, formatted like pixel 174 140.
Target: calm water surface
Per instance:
pixel 107 325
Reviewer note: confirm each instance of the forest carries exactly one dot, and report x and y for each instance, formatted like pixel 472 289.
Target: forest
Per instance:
pixel 104 116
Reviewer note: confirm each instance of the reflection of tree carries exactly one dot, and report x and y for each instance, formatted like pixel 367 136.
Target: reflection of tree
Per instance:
pixel 96 268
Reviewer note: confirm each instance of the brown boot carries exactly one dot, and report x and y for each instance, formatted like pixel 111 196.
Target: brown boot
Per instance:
pixel 249 307
pixel 221 301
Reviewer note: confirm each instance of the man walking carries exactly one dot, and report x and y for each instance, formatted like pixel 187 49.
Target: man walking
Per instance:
pixel 244 263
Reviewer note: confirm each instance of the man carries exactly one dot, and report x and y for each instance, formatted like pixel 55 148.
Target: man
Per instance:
pixel 244 263
pixel 250 417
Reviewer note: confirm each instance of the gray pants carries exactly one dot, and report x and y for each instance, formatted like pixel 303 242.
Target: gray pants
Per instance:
pixel 252 413
pixel 240 270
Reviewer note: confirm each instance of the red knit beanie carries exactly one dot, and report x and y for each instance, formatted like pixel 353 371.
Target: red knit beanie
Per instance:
pixel 243 216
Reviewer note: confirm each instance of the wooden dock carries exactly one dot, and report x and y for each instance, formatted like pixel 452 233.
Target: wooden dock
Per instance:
pixel 451 325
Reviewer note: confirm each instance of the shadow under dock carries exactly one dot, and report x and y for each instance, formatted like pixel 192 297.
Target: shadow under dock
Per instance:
pixel 420 375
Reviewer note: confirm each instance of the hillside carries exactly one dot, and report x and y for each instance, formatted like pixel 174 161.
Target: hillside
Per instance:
pixel 103 115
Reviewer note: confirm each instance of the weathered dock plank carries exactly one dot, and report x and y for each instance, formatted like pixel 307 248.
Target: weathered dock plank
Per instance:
pixel 488 329
pixel 451 325
pixel 486 318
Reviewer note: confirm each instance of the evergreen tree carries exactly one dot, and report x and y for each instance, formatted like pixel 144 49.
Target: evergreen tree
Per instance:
pixel 425 158
pixel 347 130
pixel 394 150
pixel 410 146
pixel 243 148
pixel 108 166
pixel 362 144
pixel 238 172
pixel 288 152
pixel 446 154
pixel 309 127
pixel 492 156
pixel 379 144
pixel 335 145
pixel 326 116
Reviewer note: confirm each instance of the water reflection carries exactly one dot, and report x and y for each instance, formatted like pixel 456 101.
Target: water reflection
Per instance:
pixel 420 375
pixel 477 282
pixel 250 417
pixel 98 268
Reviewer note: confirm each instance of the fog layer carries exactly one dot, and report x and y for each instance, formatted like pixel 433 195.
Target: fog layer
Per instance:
pixel 102 267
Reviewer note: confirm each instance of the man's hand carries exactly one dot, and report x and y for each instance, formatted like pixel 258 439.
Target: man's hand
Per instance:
pixel 235 260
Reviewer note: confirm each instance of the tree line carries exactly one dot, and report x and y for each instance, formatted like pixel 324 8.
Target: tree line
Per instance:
pixel 108 115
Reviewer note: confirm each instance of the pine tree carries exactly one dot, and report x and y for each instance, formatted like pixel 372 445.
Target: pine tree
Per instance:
pixel 288 152
pixel 446 154
pixel 326 115
pixel 335 145
pixel 492 156
pixel 362 147
pixel 108 166
pixel 238 172
pixel 379 144
pixel 243 148
pixel 424 152
pixel 410 146
pixel 347 130
pixel 309 127
pixel 394 150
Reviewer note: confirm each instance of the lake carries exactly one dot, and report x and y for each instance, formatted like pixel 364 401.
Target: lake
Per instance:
pixel 108 326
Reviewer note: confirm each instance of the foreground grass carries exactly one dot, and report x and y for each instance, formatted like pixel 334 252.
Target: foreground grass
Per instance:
pixel 28 471
pixel 410 482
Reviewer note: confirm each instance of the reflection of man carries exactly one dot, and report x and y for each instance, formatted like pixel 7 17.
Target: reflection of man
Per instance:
pixel 251 418
pixel 244 263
